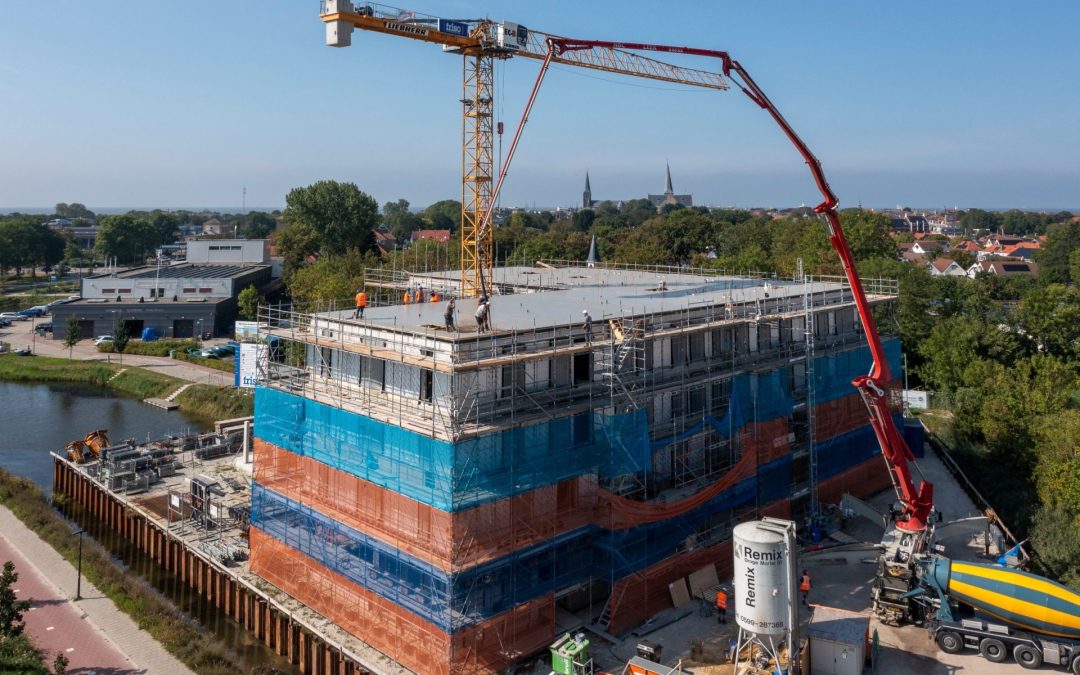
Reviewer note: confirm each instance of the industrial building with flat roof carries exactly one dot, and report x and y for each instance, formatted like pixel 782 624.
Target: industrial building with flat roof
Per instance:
pixel 177 301
pixel 457 499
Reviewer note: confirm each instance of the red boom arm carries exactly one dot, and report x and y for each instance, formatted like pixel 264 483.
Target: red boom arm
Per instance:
pixel 917 504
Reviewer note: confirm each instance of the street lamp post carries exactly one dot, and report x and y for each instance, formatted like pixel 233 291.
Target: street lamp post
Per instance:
pixel 78 582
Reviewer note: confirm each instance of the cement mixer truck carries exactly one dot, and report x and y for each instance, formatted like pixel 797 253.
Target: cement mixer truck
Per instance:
pixel 1033 619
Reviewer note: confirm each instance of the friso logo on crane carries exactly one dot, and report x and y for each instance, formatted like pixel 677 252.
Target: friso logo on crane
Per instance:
pixel 454 27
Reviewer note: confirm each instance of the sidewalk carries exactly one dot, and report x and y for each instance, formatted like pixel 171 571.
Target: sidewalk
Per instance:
pixel 89 631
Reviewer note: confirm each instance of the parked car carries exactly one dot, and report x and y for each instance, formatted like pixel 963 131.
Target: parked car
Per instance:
pixel 43 328
pixel 102 339
pixel 209 353
pixel 32 312
pixel 13 316
pixel 4 323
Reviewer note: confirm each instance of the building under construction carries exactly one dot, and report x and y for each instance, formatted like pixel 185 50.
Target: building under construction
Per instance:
pixel 457 498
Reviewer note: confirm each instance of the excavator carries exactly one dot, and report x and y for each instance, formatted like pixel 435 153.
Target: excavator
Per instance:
pixel 89 447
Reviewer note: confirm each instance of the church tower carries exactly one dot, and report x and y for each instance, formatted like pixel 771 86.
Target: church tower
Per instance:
pixel 586 197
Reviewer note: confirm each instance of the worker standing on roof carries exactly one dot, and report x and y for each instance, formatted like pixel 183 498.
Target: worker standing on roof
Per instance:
pixel 804 586
pixel 435 297
pixel 721 606
pixel 587 325
pixel 419 297
pixel 449 315
pixel 361 303
pixel 481 317
pixel 407 298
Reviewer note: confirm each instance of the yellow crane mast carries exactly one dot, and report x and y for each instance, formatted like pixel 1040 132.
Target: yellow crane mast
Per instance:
pixel 480 42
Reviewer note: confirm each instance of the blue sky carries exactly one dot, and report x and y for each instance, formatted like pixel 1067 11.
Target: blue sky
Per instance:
pixel 185 103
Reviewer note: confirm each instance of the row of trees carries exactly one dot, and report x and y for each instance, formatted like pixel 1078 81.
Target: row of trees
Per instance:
pixel 25 241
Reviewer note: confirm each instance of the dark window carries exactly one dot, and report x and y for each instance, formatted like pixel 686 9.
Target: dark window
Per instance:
pixel 206 290
pixel 110 291
pixel 189 290
pixel 582 368
pixel 426 384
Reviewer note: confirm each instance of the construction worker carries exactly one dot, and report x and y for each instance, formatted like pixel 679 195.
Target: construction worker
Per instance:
pixel 435 297
pixel 804 586
pixel 407 298
pixel 449 315
pixel 587 325
pixel 361 303
pixel 721 606
pixel 419 297
pixel 481 317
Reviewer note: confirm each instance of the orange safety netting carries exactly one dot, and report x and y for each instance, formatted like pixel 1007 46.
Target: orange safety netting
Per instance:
pixel 415 528
pixel 486 647
pixel 620 513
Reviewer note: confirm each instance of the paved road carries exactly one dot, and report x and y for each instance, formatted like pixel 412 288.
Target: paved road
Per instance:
pixel 20 334
pixel 94 635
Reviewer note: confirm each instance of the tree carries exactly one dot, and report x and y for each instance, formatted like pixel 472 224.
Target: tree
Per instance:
pixel 1055 256
pixel 11 609
pixel 166 225
pixel 60 664
pixel 400 220
pixel 444 215
pixel 583 220
pixel 296 242
pixel 73 210
pixel 71 336
pixel 978 219
pixel 1050 315
pixel 257 225
pixel 340 215
pixel 330 280
pixel 25 241
pixel 125 237
pixel 867 234
pixel 247 301
pixel 120 339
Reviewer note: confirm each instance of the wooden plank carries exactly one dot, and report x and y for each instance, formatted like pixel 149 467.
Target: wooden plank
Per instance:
pixel 679 594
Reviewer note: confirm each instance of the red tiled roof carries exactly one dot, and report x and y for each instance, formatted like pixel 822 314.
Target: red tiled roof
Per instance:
pixel 439 236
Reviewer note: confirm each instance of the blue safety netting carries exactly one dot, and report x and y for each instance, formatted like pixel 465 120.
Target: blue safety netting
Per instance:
pixel 849 449
pixel 833 373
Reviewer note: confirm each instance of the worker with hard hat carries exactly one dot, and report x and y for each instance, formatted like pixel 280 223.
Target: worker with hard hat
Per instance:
pixel 361 303
pixel 587 326
pixel 804 586
pixel 407 298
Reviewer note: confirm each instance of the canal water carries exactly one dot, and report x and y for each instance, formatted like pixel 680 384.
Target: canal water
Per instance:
pixel 39 418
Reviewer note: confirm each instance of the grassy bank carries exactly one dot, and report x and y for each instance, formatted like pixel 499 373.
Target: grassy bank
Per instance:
pixel 203 401
pixel 181 636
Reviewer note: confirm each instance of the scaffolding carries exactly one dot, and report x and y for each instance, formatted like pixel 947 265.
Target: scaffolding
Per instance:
pixel 474 480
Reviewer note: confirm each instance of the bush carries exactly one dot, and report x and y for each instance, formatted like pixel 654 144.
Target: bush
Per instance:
pixel 18 655
pixel 155 348
pixel 218 364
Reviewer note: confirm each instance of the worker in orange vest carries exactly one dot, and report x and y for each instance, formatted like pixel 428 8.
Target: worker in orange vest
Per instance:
pixel 435 297
pixel 419 297
pixel 407 298
pixel 721 606
pixel 361 303
pixel 804 586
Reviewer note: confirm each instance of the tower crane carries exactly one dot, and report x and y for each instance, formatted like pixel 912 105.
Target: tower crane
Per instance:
pixel 908 537
pixel 480 43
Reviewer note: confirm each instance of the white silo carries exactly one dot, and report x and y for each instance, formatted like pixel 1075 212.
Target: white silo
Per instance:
pixel 761 579
pixel 765 607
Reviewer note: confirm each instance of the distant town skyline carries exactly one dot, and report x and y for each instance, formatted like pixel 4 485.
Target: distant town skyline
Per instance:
pixel 915 103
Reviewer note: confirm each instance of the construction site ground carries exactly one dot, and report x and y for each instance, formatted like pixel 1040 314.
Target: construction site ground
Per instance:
pixel 842 578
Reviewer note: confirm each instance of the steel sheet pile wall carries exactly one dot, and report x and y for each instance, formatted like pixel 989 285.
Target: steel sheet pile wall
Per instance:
pixel 448 556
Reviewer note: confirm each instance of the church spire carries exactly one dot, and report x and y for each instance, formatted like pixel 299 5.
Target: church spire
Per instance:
pixel 586 196
pixel 668 190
